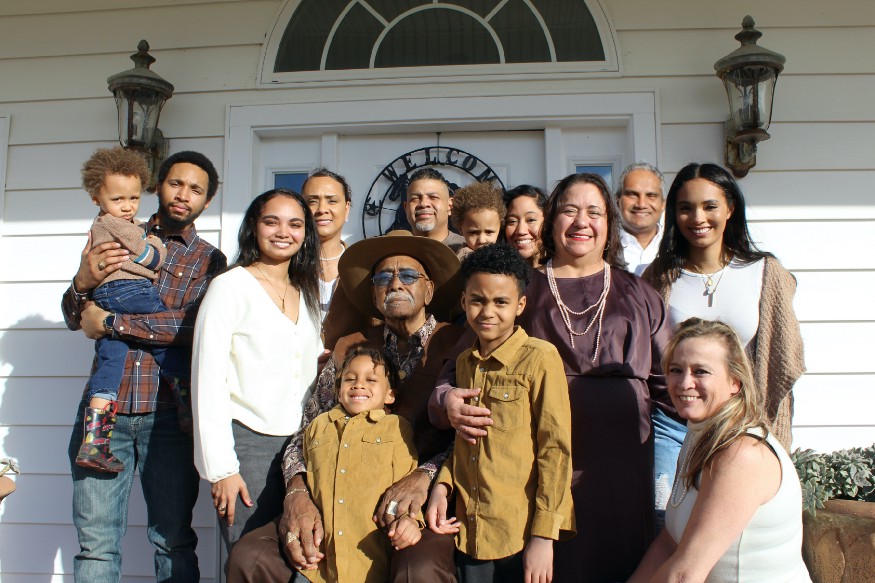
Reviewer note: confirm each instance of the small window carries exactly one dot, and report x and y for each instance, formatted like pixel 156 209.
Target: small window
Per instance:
pixel 606 171
pixel 289 180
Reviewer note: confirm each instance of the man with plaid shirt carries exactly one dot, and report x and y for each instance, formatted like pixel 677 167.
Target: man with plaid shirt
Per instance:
pixel 147 435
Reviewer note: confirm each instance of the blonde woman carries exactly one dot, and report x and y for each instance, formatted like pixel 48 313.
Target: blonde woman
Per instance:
pixel 735 509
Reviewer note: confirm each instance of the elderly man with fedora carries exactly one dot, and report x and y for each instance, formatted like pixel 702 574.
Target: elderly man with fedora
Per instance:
pixel 411 284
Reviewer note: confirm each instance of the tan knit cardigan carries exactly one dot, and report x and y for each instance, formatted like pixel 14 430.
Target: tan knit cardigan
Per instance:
pixel 776 352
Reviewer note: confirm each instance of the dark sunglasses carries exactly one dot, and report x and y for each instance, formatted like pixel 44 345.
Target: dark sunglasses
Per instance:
pixel 405 276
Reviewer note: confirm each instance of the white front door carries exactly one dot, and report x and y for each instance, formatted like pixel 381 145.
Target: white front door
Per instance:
pixel 373 163
pixel 516 140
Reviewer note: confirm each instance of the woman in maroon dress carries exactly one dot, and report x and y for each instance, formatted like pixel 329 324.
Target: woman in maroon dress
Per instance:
pixel 610 328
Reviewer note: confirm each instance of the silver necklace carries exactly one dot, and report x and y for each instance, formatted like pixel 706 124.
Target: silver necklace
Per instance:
pixel 598 306
pixel 708 280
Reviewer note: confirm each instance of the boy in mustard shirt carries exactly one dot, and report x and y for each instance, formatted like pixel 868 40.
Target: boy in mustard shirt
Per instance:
pixel 354 453
pixel 513 487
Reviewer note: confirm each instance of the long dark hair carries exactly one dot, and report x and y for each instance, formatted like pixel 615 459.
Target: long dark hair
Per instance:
pixel 674 249
pixel 304 266
pixel 613 253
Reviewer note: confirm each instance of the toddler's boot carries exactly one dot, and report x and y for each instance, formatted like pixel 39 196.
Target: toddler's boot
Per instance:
pixel 95 452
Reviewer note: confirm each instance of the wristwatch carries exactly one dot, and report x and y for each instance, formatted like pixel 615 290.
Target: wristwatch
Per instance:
pixel 108 323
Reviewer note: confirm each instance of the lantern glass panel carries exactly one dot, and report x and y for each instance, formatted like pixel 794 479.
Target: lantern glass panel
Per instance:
pixel 751 90
pixel 138 111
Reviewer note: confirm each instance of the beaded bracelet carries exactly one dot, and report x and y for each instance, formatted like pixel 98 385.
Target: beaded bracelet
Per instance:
pixel 293 490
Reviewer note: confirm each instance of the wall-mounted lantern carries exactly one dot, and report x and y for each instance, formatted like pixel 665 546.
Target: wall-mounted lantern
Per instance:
pixel 749 74
pixel 139 96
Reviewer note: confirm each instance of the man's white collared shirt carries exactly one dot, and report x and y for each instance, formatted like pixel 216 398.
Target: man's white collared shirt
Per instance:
pixel 639 258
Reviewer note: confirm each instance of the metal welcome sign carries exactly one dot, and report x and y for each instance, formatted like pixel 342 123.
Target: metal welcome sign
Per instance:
pixel 383 209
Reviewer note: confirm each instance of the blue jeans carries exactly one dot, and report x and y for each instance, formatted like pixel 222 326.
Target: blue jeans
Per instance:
pixel 154 444
pixel 129 296
pixel 668 436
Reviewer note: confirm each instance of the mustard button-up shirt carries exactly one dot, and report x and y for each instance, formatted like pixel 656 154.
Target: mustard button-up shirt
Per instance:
pixel 351 461
pixel 516 482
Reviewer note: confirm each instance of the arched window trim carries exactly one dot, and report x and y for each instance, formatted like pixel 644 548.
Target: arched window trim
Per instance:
pixel 609 67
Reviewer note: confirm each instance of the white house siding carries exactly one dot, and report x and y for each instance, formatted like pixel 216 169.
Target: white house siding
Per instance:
pixel 811 195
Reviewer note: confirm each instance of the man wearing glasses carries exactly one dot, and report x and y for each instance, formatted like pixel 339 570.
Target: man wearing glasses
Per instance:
pixel 411 284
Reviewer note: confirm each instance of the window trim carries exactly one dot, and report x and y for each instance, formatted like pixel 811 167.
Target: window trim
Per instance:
pixel 610 67
pixel 615 162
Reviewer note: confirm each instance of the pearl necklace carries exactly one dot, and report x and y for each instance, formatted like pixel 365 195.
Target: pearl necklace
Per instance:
pixel 331 258
pixel 598 306
pixel 285 291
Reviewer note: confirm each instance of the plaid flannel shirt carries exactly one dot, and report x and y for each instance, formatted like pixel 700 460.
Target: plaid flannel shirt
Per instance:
pixel 190 265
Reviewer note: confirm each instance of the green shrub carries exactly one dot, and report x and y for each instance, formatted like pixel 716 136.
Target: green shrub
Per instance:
pixel 848 474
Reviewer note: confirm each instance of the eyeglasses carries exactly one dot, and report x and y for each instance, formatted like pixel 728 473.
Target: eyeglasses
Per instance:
pixel 405 276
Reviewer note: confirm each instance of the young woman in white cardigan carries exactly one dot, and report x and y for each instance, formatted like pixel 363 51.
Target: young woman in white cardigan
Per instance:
pixel 256 343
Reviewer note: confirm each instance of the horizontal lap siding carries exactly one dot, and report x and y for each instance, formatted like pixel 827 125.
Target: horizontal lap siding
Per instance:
pixel 58 166
pixel 28 207
pixel 49 548
pixel 183 26
pixel 64 250
pixel 44 366
pixel 810 197
pixel 670 15
pixel 39 504
pixel 682 52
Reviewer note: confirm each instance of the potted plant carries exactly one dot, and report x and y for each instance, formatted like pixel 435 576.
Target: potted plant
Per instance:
pixel 838 491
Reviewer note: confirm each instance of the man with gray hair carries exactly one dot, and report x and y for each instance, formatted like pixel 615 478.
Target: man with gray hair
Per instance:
pixel 640 196
pixel 641 199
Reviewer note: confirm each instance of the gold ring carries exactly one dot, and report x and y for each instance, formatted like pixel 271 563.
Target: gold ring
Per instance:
pixel 101 266
pixel 290 538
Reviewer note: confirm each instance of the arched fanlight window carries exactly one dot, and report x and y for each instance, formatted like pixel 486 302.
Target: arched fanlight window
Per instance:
pixel 406 36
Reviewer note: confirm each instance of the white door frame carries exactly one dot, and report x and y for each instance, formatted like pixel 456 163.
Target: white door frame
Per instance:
pixel 247 125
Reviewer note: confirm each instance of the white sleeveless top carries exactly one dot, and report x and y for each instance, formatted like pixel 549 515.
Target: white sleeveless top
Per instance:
pixel 735 301
pixel 326 290
pixel 769 549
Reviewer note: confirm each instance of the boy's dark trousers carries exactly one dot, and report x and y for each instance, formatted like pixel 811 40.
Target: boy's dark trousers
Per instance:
pixel 506 570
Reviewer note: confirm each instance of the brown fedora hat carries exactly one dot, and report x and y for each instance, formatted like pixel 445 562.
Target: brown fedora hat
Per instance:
pixel 357 263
